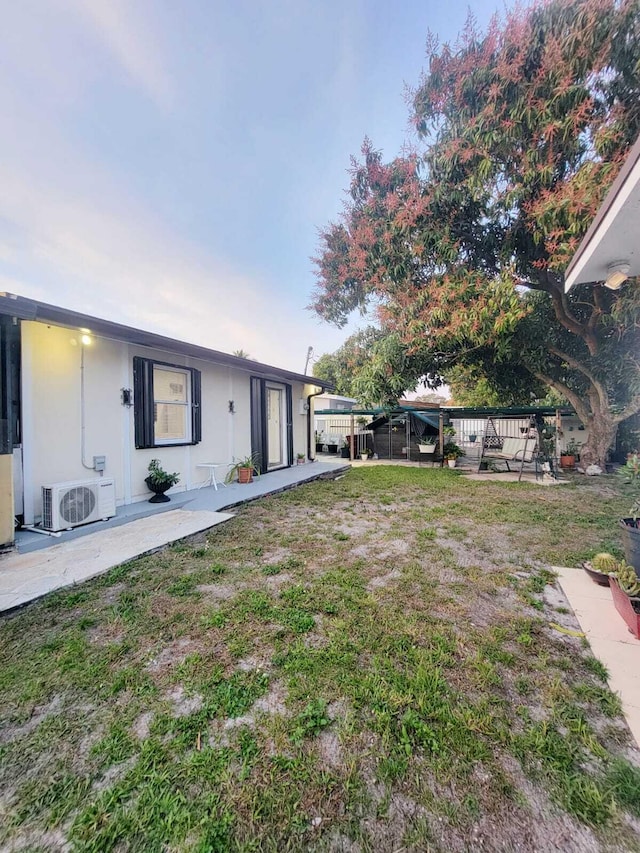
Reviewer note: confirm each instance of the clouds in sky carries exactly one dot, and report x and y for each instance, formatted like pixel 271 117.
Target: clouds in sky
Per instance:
pixel 167 165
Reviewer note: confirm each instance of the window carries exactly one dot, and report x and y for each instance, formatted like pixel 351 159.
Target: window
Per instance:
pixel 166 403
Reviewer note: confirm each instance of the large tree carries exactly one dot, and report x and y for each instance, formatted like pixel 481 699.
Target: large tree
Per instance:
pixel 460 245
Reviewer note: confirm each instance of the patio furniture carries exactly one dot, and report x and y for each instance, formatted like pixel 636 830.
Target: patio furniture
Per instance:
pixel 211 480
pixel 524 448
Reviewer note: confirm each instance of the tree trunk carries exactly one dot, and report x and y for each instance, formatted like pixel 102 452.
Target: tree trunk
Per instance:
pixel 602 436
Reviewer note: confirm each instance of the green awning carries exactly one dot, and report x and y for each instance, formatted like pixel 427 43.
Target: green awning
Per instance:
pixel 432 420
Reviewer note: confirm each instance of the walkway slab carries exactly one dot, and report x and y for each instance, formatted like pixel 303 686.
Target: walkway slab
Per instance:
pixel 25 577
pixel 610 639
pixel 42 564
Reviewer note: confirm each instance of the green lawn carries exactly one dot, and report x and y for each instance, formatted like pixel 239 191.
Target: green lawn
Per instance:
pixel 370 664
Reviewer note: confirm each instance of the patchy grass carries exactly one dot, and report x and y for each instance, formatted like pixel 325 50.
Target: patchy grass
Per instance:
pixel 360 665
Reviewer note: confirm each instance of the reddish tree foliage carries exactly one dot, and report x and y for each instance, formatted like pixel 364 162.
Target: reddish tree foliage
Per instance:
pixel 461 245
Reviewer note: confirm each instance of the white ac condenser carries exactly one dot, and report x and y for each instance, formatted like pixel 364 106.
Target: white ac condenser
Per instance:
pixel 66 505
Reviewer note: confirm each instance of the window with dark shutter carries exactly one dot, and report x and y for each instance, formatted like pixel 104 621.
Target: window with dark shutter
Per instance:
pixel 166 403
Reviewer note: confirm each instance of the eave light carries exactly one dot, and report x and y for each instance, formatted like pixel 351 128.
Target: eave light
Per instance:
pixel 617 274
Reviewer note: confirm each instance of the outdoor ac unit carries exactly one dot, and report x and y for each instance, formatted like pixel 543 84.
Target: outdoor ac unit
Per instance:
pixel 66 505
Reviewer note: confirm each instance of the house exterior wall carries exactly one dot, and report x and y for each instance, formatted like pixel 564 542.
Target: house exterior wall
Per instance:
pixel 52 368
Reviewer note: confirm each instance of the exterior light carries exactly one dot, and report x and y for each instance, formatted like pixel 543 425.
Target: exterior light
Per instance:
pixel 617 274
pixel 86 340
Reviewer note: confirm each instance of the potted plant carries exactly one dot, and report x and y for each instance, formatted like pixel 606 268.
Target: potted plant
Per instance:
pixel 319 442
pixel 364 455
pixel 300 458
pixel 159 481
pixel 427 445
pixel 345 450
pixel 244 468
pixel 569 455
pixel 630 528
pixel 600 567
pixel 451 453
pixel 625 589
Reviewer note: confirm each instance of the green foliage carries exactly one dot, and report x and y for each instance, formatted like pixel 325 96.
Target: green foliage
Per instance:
pixel 158 476
pixel 311 721
pixel 627 579
pixel 250 461
pixel 461 245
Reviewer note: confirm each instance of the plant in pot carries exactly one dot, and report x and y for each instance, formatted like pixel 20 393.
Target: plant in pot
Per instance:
pixel 451 453
pixel 630 525
pixel 569 455
pixel 159 481
pixel 319 442
pixel 300 458
pixel 345 450
pixel 244 468
pixel 625 589
pixel 600 567
pixel 427 444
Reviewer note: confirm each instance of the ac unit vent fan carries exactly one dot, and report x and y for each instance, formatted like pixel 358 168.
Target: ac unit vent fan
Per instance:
pixel 77 505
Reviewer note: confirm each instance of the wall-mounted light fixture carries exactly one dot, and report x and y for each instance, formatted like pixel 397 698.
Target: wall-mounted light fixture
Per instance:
pixel 126 397
pixel 617 274
pixel 232 407
pixel 86 340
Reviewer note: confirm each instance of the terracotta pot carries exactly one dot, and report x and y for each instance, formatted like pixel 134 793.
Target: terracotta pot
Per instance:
pixel 567 460
pixel 245 475
pixel 625 608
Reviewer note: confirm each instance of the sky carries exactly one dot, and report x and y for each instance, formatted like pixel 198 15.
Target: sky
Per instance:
pixel 168 165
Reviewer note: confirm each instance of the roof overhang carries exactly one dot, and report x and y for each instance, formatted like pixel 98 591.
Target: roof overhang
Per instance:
pixel 30 309
pixel 613 235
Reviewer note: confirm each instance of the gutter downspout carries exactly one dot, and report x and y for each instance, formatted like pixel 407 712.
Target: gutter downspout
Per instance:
pixel 309 398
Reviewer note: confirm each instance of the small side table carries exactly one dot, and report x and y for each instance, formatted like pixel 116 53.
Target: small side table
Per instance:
pixel 211 480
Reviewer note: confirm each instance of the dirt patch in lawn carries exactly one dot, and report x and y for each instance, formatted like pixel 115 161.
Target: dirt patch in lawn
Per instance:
pixel 218 591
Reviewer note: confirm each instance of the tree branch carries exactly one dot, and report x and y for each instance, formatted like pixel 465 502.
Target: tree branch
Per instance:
pixel 563 312
pixel 581 410
pixel 570 322
pixel 597 307
pixel 630 409
pixel 603 397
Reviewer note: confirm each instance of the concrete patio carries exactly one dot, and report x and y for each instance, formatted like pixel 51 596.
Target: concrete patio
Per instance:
pixel 41 563
pixel 610 639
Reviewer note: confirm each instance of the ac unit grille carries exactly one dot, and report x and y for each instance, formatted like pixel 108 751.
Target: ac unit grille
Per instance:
pixel 47 503
pixel 77 504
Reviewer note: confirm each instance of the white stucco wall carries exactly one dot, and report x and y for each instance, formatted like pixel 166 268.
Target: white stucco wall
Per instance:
pixel 51 414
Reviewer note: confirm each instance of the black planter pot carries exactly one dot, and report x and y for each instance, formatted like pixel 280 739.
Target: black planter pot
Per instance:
pixel 159 490
pixel 631 539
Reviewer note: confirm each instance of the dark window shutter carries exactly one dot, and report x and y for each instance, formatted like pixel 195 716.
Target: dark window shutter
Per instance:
pixel 289 404
pixel 196 406
pixel 258 422
pixel 143 401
